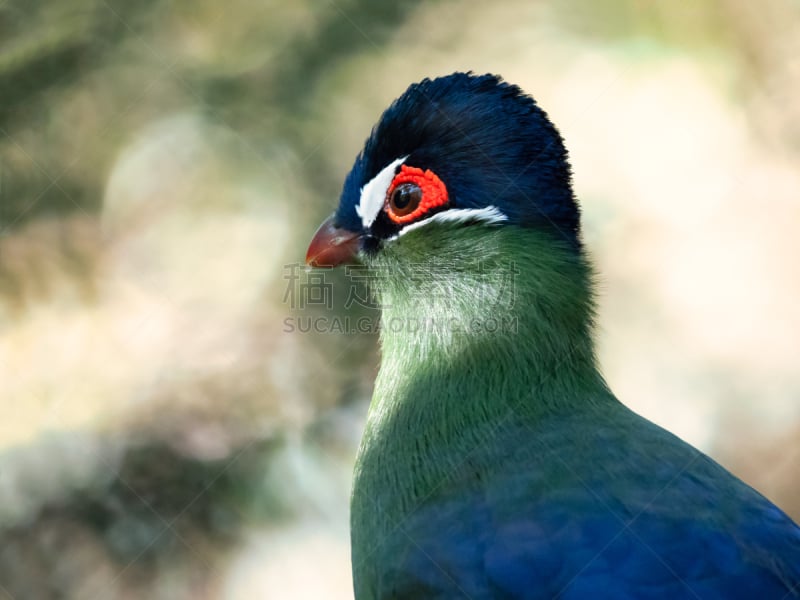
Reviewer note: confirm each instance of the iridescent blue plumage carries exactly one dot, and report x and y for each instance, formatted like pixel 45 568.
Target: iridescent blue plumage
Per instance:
pixel 675 526
pixel 496 463
pixel 629 511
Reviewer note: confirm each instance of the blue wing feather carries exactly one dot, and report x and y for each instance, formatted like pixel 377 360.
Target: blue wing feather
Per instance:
pixel 651 518
pixel 659 521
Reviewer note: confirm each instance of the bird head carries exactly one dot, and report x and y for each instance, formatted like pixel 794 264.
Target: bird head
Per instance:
pixel 449 158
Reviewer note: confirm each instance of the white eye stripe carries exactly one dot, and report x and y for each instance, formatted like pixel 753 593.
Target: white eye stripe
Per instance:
pixel 488 214
pixel 374 193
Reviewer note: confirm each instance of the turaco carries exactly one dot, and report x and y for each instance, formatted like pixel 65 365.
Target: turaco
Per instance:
pixel 496 462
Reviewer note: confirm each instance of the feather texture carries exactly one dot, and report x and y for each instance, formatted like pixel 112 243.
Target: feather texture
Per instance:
pixel 496 463
pixel 502 467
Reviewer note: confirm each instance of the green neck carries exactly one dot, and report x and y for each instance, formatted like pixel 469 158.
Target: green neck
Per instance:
pixel 519 350
pixel 476 309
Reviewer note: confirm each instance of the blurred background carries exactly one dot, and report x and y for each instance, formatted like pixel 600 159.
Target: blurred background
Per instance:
pixel 163 164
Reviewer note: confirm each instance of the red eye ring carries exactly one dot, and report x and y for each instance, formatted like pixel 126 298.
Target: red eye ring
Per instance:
pixel 434 193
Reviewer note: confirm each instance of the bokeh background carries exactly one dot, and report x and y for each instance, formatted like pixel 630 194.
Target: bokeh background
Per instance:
pixel 162 167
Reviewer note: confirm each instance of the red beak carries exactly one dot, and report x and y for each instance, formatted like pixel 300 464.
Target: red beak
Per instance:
pixel 332 246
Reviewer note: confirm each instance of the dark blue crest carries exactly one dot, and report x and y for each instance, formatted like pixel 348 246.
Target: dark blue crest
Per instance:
pixel 487 140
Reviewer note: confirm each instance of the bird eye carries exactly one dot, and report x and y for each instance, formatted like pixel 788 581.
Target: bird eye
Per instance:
pixel 405 199
pixel 413 194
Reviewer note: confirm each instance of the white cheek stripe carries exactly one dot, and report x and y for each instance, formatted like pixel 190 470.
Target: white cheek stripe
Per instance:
pixel 488 215
pixel 373 193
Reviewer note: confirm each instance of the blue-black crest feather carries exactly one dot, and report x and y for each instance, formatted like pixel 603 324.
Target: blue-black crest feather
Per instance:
pixel 486 139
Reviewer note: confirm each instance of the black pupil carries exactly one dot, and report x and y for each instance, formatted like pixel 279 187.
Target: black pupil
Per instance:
pixel 406 195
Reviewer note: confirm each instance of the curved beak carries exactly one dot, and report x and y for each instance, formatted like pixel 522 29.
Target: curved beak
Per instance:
pixel 332 246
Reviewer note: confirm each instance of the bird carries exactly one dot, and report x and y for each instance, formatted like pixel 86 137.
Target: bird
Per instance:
pixel 496 463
